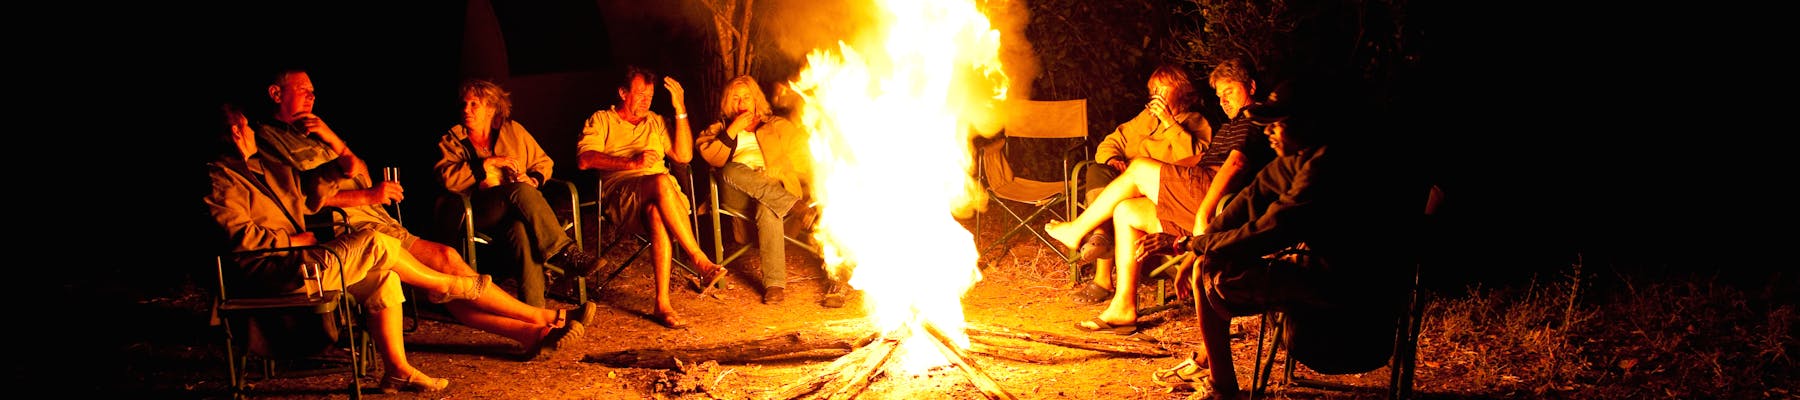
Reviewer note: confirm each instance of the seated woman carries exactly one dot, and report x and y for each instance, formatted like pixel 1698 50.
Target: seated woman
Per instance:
pixel 255 203
pixel 763 157
pixel 499 165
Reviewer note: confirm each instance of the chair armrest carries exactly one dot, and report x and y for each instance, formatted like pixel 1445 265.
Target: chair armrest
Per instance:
pixel 219 261
pixel 574 206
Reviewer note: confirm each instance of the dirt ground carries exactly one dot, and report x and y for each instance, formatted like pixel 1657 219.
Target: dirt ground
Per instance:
pixel 1025 289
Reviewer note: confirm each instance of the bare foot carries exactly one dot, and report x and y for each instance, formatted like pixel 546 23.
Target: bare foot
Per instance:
pixel 667 319
pixel 1065 233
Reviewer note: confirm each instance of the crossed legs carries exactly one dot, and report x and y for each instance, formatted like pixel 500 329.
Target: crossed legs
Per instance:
pixel 667 218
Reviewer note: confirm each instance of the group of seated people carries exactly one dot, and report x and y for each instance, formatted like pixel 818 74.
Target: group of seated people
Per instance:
pixel 1262 182
pixel 1169 180
pixel 271 174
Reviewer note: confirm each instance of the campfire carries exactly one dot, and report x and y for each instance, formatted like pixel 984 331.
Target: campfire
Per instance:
pixel 891 123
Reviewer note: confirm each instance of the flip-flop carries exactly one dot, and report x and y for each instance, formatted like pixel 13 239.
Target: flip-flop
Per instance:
pixel 1091 293
pixel 707 281
pixel 1190 371
pixel 1101 326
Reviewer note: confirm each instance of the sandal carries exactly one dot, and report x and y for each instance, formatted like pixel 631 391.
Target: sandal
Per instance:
pixel 416 383
pixel 1098 325
pixel 1091 293
pixel 553 341
pixel 1189 372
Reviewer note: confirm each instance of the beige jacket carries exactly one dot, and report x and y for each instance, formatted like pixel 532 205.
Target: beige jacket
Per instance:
pixel 512 141
pixel 784 147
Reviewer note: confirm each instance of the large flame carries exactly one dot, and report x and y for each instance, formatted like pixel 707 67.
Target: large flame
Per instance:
pixel 891 130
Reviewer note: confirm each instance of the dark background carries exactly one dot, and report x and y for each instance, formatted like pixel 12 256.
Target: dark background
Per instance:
pixel 1552 142
pixel 1562 137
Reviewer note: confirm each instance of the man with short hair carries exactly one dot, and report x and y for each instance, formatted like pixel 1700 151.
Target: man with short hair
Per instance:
pixel 627 144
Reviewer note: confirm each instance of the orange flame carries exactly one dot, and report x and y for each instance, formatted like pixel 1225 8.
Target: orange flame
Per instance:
pixel 891 130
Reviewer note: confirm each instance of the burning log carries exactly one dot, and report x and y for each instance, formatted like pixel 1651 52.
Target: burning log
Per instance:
pixel 976 375
pixel 732 352
pixel 840 369
pixel 833 337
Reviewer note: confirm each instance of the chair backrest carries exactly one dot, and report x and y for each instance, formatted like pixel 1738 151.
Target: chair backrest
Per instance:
pixel 1038 144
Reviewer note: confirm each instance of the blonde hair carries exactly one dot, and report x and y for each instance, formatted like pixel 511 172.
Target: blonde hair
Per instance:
pixel 728 109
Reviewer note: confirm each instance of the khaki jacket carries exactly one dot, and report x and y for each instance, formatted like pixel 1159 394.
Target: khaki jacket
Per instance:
pixel 1140 138
pixel 784 147
pixel 511 141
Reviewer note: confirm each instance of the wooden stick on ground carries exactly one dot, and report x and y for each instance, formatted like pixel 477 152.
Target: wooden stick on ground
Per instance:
pixel 1132 347
pixel 976 375
pixel 732 352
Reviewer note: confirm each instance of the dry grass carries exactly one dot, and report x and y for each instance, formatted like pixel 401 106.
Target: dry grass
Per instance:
pixel 1669 337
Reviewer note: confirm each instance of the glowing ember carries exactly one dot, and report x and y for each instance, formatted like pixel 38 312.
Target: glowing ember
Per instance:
pixel 890 138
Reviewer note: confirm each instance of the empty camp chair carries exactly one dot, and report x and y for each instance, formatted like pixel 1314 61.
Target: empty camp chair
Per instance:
pixel 1028 169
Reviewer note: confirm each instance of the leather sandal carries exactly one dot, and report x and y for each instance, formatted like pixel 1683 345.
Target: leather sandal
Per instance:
pixel 416 383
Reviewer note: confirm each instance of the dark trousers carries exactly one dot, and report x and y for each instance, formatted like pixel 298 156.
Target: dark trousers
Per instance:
pixel 520 221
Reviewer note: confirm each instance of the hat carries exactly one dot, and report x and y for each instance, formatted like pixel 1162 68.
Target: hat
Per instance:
pixel 1263 114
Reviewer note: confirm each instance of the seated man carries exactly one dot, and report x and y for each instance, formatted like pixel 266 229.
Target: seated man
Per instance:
pixel 764 157
pixel 1167 130
pixel 300 140
pixel 1153 197
pixel 1338 210
pixel 255 204
pixel 626 145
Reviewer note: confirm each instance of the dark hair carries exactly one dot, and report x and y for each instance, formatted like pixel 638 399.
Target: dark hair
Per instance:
pixel 493 95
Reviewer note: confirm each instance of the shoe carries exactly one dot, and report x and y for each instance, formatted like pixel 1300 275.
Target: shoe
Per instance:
pixel 1091 293
pixel 1097 325
pixel 1098 245
pixel 589 311
pixel 575 262
pixel 774 295
pixel 554 341
pixel 416 383
pixel 835 296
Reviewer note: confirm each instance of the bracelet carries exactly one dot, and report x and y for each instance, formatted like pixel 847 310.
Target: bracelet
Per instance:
pixel 681 116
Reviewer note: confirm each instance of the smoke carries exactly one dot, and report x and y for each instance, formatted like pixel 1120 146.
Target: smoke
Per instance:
pixel 1020 61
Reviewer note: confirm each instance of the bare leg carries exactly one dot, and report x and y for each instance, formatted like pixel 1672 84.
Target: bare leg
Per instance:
pixel 662 255
pixel 386 331
pixel 1141 179
pixel 1215 338
pixel 675 216
pixel 497 304
pixel 1133 219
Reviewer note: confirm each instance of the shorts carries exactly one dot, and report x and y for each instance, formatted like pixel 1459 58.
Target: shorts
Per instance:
pixel 1178 198
pixel 626 199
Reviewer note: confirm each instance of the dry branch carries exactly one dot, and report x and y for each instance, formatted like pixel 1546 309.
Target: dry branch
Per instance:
pixel 1134 347
pixel 731 352
pixel 973 372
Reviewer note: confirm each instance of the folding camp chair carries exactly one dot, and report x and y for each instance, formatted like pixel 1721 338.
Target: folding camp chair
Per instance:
pixel 722 201
pixel 621 237
pixel 1028 169
pixel 298 328
pixel 467 238
pixel 1277 329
